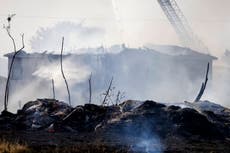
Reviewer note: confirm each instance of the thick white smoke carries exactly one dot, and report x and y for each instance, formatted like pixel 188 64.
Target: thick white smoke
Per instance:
pixel 77 35
pixel 164 88
pixel 75 72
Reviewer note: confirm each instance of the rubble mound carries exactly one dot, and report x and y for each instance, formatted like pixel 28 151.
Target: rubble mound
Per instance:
pixel 161 119
pixel 207 106
pixel 164 121
pixel 88 117
pixel 41 113
pixel 125 124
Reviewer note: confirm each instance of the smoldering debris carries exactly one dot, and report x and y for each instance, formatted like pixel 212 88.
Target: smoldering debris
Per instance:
pixel 146 127
pixel 42 113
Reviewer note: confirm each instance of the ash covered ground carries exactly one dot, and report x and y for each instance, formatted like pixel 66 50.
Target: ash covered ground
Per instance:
pixel 132 126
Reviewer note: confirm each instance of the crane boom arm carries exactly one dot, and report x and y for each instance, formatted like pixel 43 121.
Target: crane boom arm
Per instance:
pixel 181 26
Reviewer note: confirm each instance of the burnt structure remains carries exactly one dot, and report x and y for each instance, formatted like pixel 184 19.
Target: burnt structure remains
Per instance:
pixel 140 72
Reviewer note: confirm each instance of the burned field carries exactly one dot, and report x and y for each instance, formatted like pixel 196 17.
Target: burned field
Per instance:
pixel 47 125
pixel 111 52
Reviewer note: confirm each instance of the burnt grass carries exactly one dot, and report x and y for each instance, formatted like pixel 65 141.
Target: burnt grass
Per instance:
pixel 117 129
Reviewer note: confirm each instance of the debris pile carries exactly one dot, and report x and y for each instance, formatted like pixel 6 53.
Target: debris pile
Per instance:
pixel 41 113
pixel 165 121
pixel 207 106
pixel 122 124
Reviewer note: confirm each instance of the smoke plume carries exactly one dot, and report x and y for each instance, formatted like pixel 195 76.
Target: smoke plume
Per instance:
pixel 76 36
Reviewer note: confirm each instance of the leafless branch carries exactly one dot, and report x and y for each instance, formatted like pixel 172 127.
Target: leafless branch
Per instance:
pixel 107 92
pixel 23 43
pixel 62 71
pixel 6 97
pixel 119 97
pixel 11 37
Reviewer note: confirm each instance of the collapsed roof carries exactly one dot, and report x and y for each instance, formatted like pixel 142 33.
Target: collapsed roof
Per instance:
pixel 164 50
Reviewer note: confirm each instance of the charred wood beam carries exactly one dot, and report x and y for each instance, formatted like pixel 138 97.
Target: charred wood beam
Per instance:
pixel 90 88
pixel 53 88
pixel 203 86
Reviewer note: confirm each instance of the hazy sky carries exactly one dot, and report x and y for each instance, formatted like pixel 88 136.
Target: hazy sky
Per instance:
pixel 142 21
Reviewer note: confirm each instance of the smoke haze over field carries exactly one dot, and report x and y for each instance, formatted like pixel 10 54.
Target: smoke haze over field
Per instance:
pixel 87 23
pixel 140 74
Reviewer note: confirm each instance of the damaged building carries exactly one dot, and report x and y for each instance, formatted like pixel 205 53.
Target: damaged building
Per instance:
pixel 166 73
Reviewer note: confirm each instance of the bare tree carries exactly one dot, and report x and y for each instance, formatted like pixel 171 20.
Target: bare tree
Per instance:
pixel 62 71
pixel 203 86
pixel 107 92
pixel 53 88
pixel 8 28
pixel 90 88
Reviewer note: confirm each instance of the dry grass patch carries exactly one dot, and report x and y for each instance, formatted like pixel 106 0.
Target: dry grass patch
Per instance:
pixel 15 147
